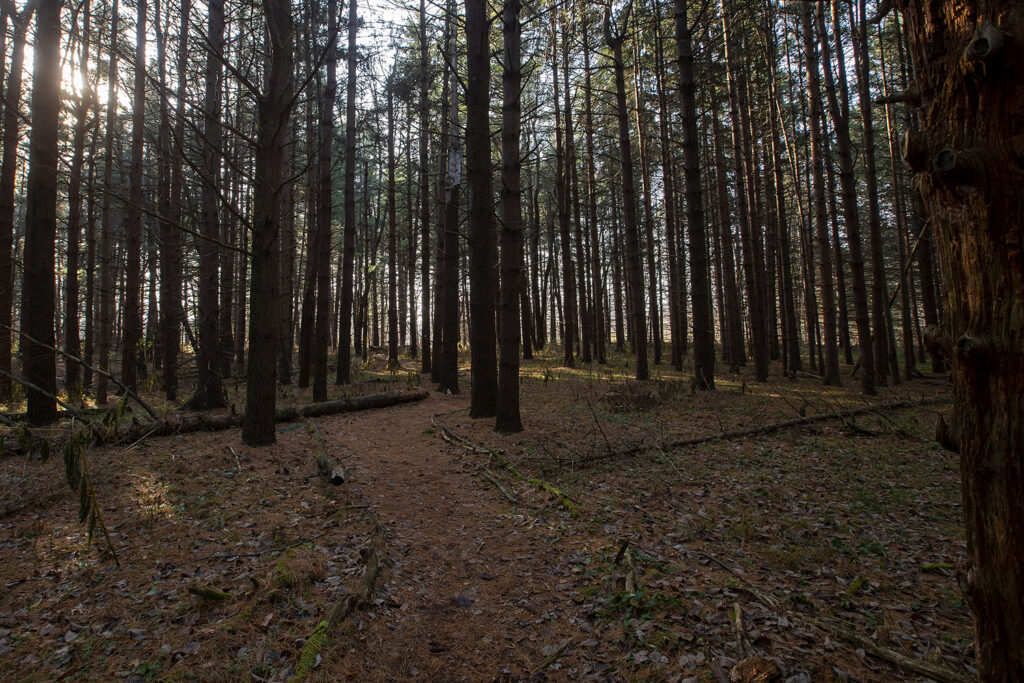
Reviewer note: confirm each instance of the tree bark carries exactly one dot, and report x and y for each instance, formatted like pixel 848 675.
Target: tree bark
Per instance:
pixel 851 215
pixel 830 351
pixel 482 238
pixel 562 199
pixel 8 171
pixel 209 391
pixel 325 211
pixel 38 296
pixel 508 419
pixel 273 113
pixel 632 236
pixel 700 284
pixel 967 62
pixel 72 339
pixel 133 225
pixel 349 239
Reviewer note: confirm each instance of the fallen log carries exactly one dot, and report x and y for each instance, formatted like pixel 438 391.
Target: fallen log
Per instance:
pixel 208 423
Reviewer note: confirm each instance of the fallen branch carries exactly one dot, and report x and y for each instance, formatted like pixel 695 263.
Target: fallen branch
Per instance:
pixel 770 428
pixel 498 485
pixel 343 607
pixel 451 437
pixel 838 629
pixel 920 666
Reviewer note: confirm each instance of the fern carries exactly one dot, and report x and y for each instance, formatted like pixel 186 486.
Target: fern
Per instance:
pixel 76 471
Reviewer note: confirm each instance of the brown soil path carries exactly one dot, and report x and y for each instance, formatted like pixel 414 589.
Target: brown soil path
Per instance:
pixel 473 593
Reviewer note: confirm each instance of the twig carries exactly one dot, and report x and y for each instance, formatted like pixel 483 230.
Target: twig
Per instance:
pixel 598 423
pixel 489 476
pixel 550 659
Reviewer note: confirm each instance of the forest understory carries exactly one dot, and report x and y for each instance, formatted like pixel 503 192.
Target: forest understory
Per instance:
pixel 594 545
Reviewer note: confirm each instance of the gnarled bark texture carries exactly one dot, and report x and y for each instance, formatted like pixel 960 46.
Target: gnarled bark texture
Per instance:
pixel 969 60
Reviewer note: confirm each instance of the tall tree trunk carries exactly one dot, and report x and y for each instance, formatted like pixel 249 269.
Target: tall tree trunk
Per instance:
pixel 743 160
pixel 273 112
pixel 8 171
pixel 72 340
pixel 288 272
pixel 880 320
pixel 508 419
pixel 424 107
pixel 830 350
pixel 38 299
pixel 675 305
pixel 171 251
pixel 209 392
pixel 700 284
pixel 597 311
pixel 392 237
pixel 325 211
pixel 133 225
pixel 562 199
pixel 899 208
pixel 482 243
pixel 106 303
pixel 349 238
pixel 648 232
pixel 632 236
pixel 735 351
pixel 841 121
pixel 448 277
pixel 572 185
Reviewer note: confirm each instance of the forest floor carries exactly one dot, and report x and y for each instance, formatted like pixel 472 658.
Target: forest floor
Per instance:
pixel 587 547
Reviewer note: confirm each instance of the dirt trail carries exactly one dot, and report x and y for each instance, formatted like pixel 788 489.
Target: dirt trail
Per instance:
pixel 472 593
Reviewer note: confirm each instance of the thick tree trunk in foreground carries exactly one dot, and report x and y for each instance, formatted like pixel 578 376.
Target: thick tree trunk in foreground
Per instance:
pixel 483 255
pixel 274 110
pixel 967 159
pixel 38 302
